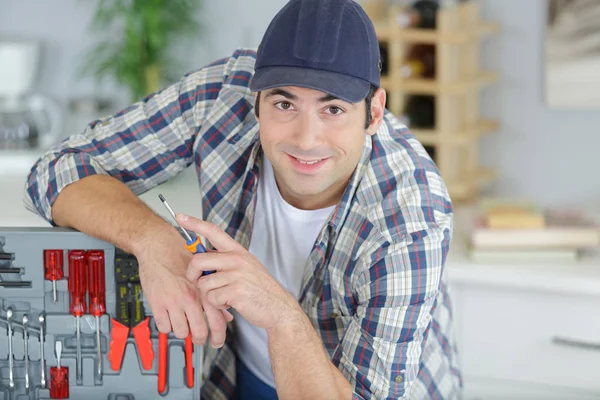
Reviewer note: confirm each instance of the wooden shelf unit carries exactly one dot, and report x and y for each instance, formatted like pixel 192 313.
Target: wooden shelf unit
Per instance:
pixel 456 88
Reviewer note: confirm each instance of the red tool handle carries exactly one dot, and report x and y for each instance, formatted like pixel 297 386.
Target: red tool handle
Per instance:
pixel 118 341
pixel 97 282
pixel 141 333
pixel 162 362
pixel 53 265
pixel 189 366
pixel 77 282
pixel 59 382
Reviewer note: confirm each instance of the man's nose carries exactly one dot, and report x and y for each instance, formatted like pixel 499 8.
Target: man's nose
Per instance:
pixel 308 131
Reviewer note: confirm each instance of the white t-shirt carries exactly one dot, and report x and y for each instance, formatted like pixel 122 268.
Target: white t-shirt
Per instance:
pixel 282 238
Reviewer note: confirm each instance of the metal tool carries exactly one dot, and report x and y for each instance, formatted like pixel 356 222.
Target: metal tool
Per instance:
pixel 130 316
pixel 26 344
pixel 11 377
pixel 10 270
pixel 59 377
pixel 193 244
pixel 6 256
pixel 77 288
pixel 42 320
pixel 15 284
pixel 97 292
pixel 53 268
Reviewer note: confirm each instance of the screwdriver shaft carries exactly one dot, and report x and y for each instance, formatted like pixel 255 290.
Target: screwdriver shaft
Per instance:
pixel 78 362
pixel 42 318
pixel 185 233
pixel 54 294
pixel 99 346
pixel 26 345
pixel 11 377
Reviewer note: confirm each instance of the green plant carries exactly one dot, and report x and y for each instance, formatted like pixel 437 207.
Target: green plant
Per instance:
pixel 136 41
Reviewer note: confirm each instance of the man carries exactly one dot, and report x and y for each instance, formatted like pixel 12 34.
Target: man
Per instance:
pixel 329 223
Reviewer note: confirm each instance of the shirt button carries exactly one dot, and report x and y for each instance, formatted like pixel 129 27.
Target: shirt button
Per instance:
pixel 398 378
pixel 333 315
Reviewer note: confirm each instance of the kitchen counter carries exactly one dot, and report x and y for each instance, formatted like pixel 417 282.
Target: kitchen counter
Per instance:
pixel 182 193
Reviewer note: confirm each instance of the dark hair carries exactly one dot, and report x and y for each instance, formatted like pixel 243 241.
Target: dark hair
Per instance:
pixel 368 100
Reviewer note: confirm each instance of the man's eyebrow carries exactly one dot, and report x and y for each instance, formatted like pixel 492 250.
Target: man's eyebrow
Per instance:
pixel 328 97
pixel 281 92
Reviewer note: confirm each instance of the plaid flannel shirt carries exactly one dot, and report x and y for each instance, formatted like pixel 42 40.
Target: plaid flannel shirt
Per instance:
pixel 374 284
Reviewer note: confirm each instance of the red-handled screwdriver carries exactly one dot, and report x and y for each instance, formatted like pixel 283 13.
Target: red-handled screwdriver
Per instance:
pixel 59 377
pixel 53 267
pixel 77 288
pixel 97 292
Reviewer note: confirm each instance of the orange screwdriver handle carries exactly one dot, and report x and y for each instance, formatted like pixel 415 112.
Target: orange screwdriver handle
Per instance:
pixel 162 362
pixel 189 365
pixel 118 341
pixel 141 333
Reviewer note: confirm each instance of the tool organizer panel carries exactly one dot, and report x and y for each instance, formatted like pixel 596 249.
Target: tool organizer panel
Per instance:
pixel 56 282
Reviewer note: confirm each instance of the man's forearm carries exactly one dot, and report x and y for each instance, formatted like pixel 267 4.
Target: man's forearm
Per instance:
pixel 105 208
pixel 301 366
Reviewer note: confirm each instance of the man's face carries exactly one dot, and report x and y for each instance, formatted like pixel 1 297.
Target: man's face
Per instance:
pixel 314 142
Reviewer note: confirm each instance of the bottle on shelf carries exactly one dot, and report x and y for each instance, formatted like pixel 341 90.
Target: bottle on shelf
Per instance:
pixel 383 56
pixel 419 62
pixel 419 112
pixel 422 14
pixel 431 151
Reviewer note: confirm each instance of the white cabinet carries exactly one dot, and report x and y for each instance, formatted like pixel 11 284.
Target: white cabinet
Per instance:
pixel 527 332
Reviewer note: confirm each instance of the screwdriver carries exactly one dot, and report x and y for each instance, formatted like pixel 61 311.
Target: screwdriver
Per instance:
pixel 59 377
pixel 194 245
pixel 77 288
pixel 53 266
pixel 97 292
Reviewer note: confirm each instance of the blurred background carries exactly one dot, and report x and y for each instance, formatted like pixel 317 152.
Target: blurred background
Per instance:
pixel 504 94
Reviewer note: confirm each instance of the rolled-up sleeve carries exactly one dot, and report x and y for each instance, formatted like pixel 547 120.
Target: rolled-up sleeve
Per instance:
pixel 143 145
pixel 381 350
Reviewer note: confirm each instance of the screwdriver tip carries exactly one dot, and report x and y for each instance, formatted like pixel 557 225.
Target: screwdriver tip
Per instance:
pixel 162 198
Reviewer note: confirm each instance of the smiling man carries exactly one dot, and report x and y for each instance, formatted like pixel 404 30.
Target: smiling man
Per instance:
pixel 328 222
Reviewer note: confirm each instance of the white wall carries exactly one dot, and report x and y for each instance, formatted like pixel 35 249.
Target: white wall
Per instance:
pixel 61 25
pixel 547 155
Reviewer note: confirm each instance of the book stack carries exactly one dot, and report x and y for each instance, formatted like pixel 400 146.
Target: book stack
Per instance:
pixel 511 232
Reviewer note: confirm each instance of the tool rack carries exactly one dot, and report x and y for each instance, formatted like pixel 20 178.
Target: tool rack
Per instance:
pixel 24 292
pixel 454 141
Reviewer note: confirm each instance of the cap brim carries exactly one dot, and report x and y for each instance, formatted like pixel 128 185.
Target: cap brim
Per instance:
pixel 345 87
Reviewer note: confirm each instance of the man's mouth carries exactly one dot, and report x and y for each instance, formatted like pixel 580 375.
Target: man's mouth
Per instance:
pixel 309 162
pixel 308 165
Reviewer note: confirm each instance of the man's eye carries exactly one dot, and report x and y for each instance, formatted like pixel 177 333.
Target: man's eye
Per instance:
pixel 283 105
pixel 334 110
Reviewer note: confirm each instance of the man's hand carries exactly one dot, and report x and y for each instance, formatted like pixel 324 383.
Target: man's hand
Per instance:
pixel 175 301
pixel 240 280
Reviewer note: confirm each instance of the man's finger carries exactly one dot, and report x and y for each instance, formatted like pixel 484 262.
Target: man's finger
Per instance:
pixel 161 318
pixel 211 261
pixel 179 323
pixel 228 316
pixel 215 235
pixel 215 281
pixel 195 317
pixel 217 324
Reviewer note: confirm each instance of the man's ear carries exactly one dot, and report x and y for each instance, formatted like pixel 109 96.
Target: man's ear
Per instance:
pixel 377 110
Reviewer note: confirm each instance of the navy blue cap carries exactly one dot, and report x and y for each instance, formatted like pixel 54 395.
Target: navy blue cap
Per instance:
pixel 327 45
